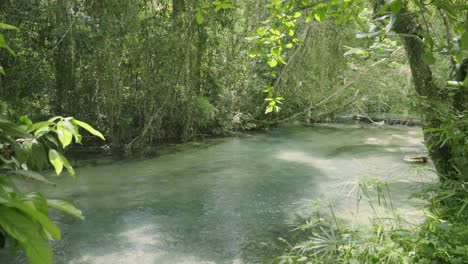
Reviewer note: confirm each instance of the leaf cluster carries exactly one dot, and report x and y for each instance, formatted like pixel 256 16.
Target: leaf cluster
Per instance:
pixel 26 149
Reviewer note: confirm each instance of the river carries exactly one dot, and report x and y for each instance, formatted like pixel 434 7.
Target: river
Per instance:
pixel 228 200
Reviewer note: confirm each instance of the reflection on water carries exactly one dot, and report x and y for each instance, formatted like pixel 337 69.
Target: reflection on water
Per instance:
pixel 229 201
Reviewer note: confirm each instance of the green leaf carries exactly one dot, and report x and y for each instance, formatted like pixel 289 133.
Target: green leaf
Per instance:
pixel 37 201
pixel 8 27
pixel 297 15
pixel 4 45
pixel 25 120
pixel 37 251
pixel 31 210
pixel 64 135
pixel 67 164
pixel 38 158
pixel 40 125
pixel 320 12
pixel 53 119
pixel 394 5
pixel 199 17
pixel 33 175
pixel 16 224
pixel 227 6
pixel 272 63
pixel 88 128
pixel 54 158
pixel 66 207
pixel 52 139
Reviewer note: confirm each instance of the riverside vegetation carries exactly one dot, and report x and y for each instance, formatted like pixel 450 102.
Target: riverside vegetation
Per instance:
pixel 155 72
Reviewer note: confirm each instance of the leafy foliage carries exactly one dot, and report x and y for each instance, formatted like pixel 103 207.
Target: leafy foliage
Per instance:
pixel 440 239
pixel 23 152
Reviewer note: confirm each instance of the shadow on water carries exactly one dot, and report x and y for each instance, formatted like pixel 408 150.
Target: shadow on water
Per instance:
pixel 224 203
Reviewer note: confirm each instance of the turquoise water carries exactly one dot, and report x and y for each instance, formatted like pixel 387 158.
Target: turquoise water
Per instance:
pixel 227 200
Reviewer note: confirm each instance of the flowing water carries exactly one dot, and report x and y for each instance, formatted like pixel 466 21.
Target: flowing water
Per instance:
pixel 228 200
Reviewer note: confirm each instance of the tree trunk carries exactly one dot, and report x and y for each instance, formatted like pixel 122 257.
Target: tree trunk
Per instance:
pixel 430 94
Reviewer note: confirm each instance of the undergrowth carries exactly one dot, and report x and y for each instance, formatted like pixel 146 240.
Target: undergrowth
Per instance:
pixel 441 238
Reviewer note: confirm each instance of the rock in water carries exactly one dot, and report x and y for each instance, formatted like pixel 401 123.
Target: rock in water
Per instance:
pixel 421 158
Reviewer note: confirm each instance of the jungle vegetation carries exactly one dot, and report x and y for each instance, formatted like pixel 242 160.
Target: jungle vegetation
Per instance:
pixel 146 72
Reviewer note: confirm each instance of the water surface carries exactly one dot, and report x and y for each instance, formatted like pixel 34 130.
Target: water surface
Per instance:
pixel 227 200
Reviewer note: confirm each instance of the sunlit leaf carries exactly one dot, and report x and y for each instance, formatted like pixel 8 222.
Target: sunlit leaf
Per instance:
pixel 88 128
pixel 65 207
pixel 199 17
pixel 54 158
pixel 37 251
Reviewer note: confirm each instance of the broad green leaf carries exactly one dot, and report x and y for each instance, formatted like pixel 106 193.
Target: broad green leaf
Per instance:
pixel 272 63
pixel 52 139
pixel 199 17
pixel 16 224
pixel 50 227
pixel 25 120
pixel 396 6
pixel 54 158
pixel 73 128
pixel 297 14
pixel 37 251
pixel 38 158
pixel 32 174
pixel 64 135
pixel 36 201
pixel 41 125
pixel 67 164
pixel 65 207
pixel 8 27
pixel 88 128
pixel 55 118
pixel 42 131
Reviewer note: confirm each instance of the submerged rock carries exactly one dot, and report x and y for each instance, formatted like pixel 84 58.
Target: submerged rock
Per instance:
pixel 420 158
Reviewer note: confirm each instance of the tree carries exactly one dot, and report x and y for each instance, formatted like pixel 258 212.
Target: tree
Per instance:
pixel 443 110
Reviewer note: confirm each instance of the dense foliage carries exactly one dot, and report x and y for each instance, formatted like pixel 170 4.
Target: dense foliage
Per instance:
pixel 389 239
pixel 25 150
pixel 151 72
